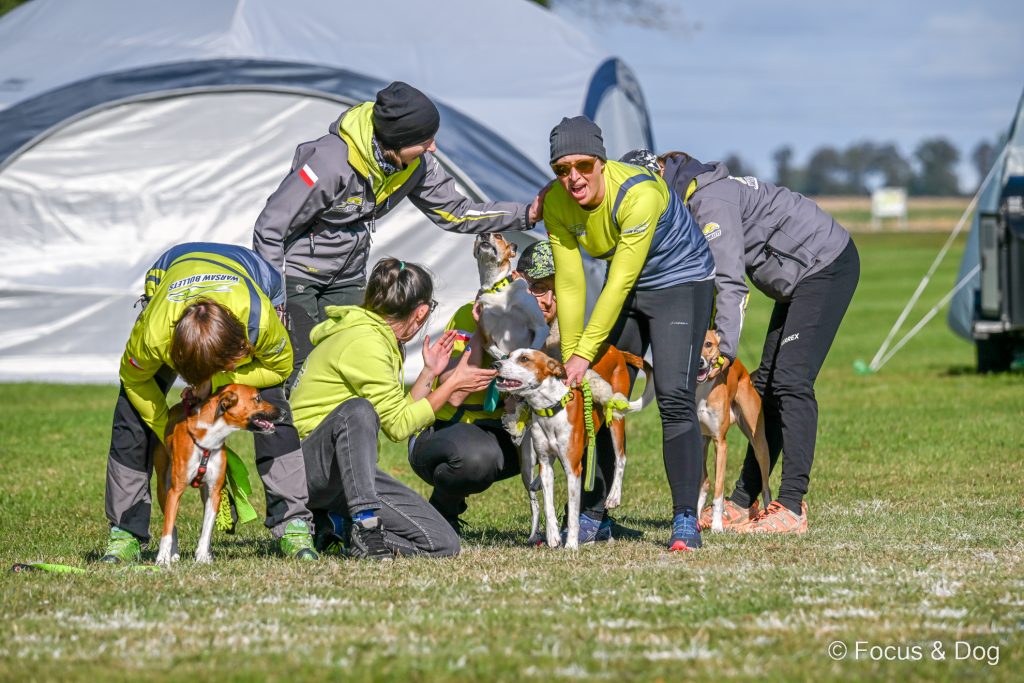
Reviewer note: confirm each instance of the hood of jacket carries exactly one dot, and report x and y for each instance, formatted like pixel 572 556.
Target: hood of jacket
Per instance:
pixel 341 318
pixel 355 127
pixel 681 171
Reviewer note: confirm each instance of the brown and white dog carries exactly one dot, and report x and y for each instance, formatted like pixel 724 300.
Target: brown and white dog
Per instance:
pixel 195 454
pixel 557 428
pixel 510 317
pixel 727 399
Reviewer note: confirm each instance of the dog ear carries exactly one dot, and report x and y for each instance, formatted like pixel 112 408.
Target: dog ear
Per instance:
pixel 556 368
pixel 226 402
pixel 514 247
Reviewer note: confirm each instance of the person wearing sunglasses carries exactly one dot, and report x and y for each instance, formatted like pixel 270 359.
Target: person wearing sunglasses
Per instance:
pixel 467 449
pixel 657 293
pixel 316 228
pixel 349 391
pixel 806 262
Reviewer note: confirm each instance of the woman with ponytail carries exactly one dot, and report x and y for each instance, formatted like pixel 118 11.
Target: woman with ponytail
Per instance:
pixel 350 389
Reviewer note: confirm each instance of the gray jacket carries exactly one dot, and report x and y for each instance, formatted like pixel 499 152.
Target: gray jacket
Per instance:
pixel 318 225
pixel 773 235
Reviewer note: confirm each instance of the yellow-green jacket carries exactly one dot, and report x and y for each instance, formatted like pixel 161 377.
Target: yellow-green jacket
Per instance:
pixel 235 277
pixel 356 354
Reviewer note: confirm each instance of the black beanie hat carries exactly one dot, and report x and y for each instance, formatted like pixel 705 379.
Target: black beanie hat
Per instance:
pixel 578 135
pixel 403 116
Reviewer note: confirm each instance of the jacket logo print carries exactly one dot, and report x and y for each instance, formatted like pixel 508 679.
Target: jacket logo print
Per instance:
pixel 711 231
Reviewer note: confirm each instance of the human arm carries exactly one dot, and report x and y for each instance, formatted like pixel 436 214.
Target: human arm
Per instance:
pixel 638 218
pixel 271 361
pixel 297 201
pixel 462 381
pixel 139 366
pixel 722 224
pixel 439 199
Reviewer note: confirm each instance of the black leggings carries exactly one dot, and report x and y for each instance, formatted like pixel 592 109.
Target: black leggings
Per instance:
pixel 672 322
pixel 799 336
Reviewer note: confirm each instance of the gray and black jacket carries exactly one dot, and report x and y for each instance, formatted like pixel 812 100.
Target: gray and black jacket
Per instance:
pixel 775 236
pixel 317 225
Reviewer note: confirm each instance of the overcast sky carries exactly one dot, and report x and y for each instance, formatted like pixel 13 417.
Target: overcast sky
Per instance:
pixel 748 77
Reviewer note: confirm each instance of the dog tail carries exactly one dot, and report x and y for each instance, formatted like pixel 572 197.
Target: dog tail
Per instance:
pixel 647 398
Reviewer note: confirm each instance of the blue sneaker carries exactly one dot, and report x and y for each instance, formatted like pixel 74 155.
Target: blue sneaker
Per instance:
pixel 592 530
pixel 685 533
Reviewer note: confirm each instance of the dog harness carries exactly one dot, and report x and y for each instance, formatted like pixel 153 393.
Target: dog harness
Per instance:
pixel 588 422
pixel 203 462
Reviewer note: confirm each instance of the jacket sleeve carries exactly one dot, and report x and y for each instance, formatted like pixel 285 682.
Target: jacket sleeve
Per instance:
pixel 271 362
pixel 722 224
pixel 638 219
pixel 438 198
pixel 139 366
pixel 307 190
pixel 570 283
pixel 376 379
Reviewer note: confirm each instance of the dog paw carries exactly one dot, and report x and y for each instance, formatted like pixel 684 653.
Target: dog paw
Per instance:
pixel 204 558
pixel 166 560
pixel 612 501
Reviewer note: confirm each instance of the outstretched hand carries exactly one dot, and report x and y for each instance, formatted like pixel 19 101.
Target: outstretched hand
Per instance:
pixel 436 355
pixel 536 211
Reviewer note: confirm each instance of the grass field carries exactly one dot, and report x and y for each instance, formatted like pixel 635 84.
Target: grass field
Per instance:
pixel 924 214
pixel 915 538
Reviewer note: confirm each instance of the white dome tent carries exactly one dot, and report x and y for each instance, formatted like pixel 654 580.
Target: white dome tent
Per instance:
pixel 127 126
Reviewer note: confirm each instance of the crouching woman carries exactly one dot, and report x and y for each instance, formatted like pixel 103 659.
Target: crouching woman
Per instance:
pixel 349 391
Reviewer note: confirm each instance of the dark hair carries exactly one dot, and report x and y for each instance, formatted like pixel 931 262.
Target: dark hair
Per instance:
pixel 396 288
pixel 672 155
pixel 390 155
pixel 207 339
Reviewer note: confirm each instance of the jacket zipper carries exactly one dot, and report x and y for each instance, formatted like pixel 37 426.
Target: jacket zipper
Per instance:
pixel 772 251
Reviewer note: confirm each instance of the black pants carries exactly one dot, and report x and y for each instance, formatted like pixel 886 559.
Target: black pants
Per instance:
pixel 305 306
pixel 672 323
pixel 799 337
pixel 343 477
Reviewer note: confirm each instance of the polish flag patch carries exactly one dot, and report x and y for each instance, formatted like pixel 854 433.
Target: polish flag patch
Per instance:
pixel 134 363
pixel 308 176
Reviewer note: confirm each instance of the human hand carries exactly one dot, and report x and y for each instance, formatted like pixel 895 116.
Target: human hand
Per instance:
pixel 469 378
pixel 282 315
pixel 477 307
pixel 536 211
pixel 575 368
pixel 721 365
pixel 195 394
pixel 436 355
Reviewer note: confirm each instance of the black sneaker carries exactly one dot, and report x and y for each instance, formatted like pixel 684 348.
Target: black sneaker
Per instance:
pixel 367 540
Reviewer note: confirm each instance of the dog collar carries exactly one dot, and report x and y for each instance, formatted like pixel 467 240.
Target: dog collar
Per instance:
pixel 498 286
pixel 556 407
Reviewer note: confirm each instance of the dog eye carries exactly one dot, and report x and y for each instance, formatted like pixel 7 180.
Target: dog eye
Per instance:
pixel 707 345
pixel 521 359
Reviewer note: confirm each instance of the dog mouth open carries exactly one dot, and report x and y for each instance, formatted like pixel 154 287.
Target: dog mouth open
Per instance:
pixel 260 422
pixel 703 369
pixel 507 383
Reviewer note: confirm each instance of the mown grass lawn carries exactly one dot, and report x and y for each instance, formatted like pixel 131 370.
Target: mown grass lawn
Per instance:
pixel 915 538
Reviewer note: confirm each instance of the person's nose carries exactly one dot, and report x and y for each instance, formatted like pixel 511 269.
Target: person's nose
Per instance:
pixel 433 147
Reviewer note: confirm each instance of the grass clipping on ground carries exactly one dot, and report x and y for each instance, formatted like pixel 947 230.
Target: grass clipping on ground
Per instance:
pixel 915 538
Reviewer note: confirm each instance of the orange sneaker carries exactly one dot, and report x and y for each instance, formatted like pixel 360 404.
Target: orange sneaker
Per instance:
pixel 778 519
pixel 733 516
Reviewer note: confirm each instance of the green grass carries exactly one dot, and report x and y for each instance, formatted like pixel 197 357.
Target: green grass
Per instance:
pixel 915 537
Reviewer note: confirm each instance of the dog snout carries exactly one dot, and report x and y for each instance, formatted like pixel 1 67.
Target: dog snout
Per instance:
pixel 704 363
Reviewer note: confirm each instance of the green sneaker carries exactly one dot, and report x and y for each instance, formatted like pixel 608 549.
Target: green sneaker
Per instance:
pixel 297 541
pixel 122 547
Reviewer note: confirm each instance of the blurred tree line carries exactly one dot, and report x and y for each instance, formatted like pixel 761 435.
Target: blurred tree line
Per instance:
pixel 864 166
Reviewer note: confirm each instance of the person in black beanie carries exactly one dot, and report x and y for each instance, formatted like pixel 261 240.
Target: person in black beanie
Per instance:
pixel 316 227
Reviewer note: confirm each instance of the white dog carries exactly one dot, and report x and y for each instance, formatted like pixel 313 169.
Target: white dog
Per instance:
pixel 510 317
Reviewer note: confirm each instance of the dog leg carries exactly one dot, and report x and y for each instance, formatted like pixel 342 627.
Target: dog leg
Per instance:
pixel 718 506
pixel 168 540
pixel 702 497
pixel 211 500
pixel 618 430
pixel 572 538
pixel 547 480
pixel 751 414
pixel 527 465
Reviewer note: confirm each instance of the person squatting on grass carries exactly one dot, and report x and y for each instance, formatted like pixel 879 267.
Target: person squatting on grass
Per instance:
pixel 467 449
pixel 657 294
pixel 805 261
pixel 208 315
pixel 317 226
pixel 350 389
